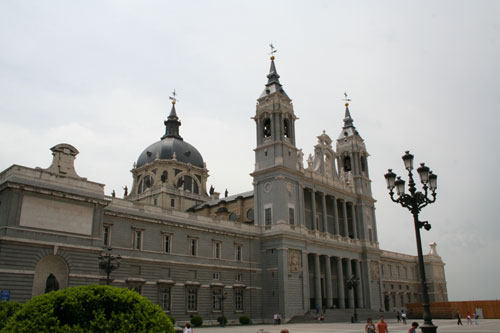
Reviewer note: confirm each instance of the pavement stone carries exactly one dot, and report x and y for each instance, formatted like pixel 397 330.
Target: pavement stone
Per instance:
pixel 444 326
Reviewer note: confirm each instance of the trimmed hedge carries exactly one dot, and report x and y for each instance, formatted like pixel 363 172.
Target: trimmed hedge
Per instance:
pixel 93 308
pixel 7 310
pixel 244 320
pixel 197 321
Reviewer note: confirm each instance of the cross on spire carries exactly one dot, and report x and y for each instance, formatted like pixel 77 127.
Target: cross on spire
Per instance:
pixel 173 98
pixel 345 98
pixel 273 51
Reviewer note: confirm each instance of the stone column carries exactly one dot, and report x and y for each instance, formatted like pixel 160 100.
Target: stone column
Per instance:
pixel 323 207
pixel 317 283
pixel 336 216
pixel 313 209
pixel 354 228
pixel 328 282
pixel 359 288
pixel 344 213
pixel 350 292
pixel 340 283
pixel 283 277
pixel 306 297
pixel 302 207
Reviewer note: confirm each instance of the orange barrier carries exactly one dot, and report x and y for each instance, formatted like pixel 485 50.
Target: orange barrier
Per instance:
pixel 491 309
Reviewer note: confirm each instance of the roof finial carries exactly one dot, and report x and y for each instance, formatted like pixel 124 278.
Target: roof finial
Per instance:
pixel 347 100
pixel 173 98
pixel 273 51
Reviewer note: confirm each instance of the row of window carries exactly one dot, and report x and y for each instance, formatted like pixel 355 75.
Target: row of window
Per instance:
pixel 137 244
pixel 218 296
pixel 398 271
pixel 186 182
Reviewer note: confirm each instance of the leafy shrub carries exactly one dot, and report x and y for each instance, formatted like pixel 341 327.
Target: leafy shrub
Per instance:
pixel 197 321
pixel 172 319
pixel 91 308
pixel 244 320
pixel 7 310
pixel 221 319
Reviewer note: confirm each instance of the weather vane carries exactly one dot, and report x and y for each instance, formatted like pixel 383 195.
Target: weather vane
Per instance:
pixel 173 98
pixel 273 51
pixel 345 98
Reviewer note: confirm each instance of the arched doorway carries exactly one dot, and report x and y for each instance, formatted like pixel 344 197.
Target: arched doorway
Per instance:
pixel 51 273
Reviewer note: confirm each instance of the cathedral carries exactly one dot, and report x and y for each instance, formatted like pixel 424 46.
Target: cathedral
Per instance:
pixel 304 238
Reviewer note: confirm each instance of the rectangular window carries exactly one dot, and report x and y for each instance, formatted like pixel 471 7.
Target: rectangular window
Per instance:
pixel 165 294
pixel 167 242
pixel 238 299
pixel 216 276
pixel 291 216
pixel 239 252
pixel 370 235
pixel 192 299
pixel 193 247
pixel 137 240
pixel 172 203
pixel 268 216
pixel 217 249
pixel 216 299
pixel 238 277
pixel 107 235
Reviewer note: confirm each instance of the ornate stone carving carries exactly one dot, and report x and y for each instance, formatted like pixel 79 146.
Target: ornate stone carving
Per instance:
pixel 294 261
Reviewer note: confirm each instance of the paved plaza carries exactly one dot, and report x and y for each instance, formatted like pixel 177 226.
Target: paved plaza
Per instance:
pixel 445 325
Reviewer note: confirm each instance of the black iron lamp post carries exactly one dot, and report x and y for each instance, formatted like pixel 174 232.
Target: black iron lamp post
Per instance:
pixel 415 201
pixel 222 297
pixel 352 283
pixel 109 262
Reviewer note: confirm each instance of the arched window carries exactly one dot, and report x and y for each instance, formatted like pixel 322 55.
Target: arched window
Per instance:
pixel 347 163
pixel 188 184
pixel 267 128
pixel 233 217
pixel 164 176
pixel 286 128
pixel 145 183
pixel 250 215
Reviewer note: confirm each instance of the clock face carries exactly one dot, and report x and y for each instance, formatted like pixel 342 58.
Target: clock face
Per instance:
pixel 267 187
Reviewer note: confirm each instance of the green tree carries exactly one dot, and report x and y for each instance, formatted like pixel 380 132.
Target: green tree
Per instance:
pixel 7 310
pixel 93 308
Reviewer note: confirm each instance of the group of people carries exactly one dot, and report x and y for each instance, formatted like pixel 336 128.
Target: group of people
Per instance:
pixel 469 318
pixel 381 326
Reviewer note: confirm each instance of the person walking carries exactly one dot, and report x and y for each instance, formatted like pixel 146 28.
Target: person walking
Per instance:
pixel 382 326
pixel 469 319
pixel 413 328
pixel 459 318
pixel 476 318
pixel 398 316
pixel 370 327
pixel 187 328
pixel 403 316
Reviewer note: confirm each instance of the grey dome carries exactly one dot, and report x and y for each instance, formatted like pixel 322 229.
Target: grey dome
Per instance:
pixel 184 152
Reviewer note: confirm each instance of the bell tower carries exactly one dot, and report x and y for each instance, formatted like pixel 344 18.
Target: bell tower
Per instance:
pixel 275 124
pixel 352 155
pixel 275 176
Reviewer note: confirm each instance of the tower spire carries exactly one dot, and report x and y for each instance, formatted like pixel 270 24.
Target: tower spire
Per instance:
pixel 273 84
pixel 172 123
pixel 348 129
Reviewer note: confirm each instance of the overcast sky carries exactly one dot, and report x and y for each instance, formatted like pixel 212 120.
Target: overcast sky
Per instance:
pixel 423 76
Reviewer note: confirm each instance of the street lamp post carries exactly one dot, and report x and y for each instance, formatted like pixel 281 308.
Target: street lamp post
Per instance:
pixel 414 202
pixel 109 262
pixel 352 283
pixel 222 297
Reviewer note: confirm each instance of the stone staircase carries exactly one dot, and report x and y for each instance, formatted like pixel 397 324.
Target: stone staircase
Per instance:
pixel 340 316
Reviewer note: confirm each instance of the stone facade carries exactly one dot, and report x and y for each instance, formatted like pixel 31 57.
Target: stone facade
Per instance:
pixel 286 247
